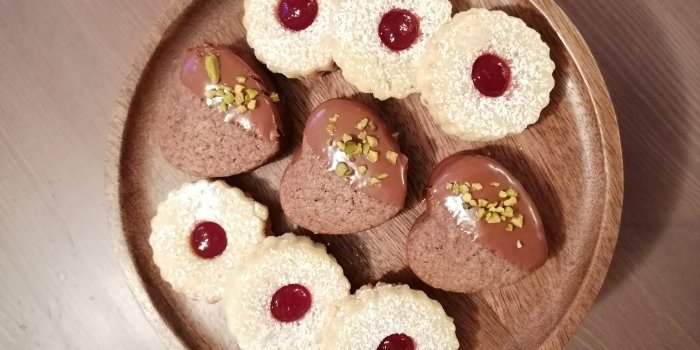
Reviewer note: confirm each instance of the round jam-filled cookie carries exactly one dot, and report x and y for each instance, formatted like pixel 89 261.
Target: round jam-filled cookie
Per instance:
pixel 224 119
pixel 485 75
pixel 390 317
pixel 378 43
pixel 349 173
pixel 480 230
pixel 290 36
pixel 200 231
pixel 282 295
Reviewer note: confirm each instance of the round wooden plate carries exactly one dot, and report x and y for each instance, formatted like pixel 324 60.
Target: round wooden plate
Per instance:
pixel 570 162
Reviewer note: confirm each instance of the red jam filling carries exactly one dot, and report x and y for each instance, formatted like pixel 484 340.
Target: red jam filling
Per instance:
pixel 297 15
pixel 208 240
pixel 397 341
pixel 491 75
pixel 290 303
pixel 399 29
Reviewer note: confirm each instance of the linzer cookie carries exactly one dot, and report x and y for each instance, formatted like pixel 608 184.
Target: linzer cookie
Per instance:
pixel 282 295
pixel 290 36
pixel 480 230
pixel 377 44
pixel 348 175
pixel 225 117
pixel 485 75
pixel 389 317
pixel 200 231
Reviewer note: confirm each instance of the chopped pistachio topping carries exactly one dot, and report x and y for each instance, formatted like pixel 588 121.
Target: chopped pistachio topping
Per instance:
pixel 275 97
pixel 251 105
pixel 362 124
pixel 365 148
pixel 467 197
pixel 374 181
pixel 342 169
pixel 352 148
pixel 372 141
pixel 511 201
pixel 251 94
pixel 495 184
pixel 392 156
pixel 508 212
pixel 211 65
pixel 330 128
pixel 360 143
pixel 362 170
pixel 225 98
pixel 517 221
pixel 492 218
pixel 373 156
pixel 241 80
pixel 502 210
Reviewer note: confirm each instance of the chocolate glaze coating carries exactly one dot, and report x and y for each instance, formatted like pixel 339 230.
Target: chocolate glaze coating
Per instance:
pixel 392 189
pixel 264 119
pixel 527 255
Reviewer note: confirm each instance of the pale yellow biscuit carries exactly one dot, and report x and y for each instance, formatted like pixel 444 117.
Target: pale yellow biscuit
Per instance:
pixel 446 87
pixel 241 217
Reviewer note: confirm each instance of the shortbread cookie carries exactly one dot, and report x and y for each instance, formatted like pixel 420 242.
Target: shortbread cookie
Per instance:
pixel 378 43
pixel 390 317
pixel 290 36
pixel 282 295
pixel 481 229
pixel 200 231
pixel 224 118
pixel 485 75
pixel 348 175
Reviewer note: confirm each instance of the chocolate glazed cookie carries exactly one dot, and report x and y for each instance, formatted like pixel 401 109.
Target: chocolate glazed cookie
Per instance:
pixel 225 118
pixel 480 230
pixel 348 175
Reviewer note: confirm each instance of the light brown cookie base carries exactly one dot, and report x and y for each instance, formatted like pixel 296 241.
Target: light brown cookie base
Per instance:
pixel 195 139
pixel 445 257
pixel 320 201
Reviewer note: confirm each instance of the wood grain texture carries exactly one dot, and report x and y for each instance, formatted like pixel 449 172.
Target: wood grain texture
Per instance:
pixel 570 162
pixel 62 283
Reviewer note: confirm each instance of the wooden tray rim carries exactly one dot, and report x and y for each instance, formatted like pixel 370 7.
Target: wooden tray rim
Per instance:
pixel 608 129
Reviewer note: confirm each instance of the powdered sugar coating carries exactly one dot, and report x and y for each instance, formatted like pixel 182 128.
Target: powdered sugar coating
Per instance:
pixel 365 61
pixel 292 53
pixel 444 76
pixel 241 217
pixel 277 262
pixel 373 313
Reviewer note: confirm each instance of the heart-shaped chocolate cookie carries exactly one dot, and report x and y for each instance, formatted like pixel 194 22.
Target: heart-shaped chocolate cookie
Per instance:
pixel 224 117
pixel 480 230
pixel 348 175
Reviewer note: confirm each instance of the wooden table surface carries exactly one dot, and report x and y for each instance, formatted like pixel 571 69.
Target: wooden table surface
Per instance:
pixel 61 66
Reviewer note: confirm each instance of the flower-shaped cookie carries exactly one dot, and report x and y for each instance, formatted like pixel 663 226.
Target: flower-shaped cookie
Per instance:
pixel 485 75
